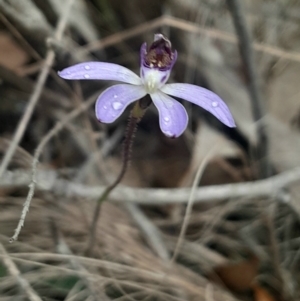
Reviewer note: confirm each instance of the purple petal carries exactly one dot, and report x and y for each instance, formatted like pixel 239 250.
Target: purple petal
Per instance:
pixel 113 101
pixel 203 98
pixel 99 70
pixel 173 118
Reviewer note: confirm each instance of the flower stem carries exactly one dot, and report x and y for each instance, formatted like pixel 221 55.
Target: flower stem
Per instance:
pixel 135 117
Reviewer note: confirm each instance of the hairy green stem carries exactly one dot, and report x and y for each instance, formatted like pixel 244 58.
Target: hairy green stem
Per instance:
pixel 135 117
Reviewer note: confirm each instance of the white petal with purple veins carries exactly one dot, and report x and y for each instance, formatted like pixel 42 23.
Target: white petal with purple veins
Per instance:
pixel 203 98
pixel 99 70
pixel 173 118
pixel 113 101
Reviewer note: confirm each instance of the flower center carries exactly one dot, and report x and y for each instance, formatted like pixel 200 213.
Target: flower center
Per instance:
pixel 158 60
pixel 160 54
pixel 153 79
pixel 156 63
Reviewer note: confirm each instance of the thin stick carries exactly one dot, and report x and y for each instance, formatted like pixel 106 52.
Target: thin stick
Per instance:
pixel 37 91
pixel 190 203
pixel 209 292
pixel 188 27
pixel 14 271
pixel 257 101
pixel 49 181
pixel 59 126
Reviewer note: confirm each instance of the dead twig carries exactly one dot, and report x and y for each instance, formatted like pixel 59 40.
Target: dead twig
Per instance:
pixel 37 91
pixel 59 126
pixel 189 27
pixel 48 180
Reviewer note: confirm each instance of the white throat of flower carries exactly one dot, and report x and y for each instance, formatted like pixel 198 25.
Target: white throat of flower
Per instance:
pixel 153 79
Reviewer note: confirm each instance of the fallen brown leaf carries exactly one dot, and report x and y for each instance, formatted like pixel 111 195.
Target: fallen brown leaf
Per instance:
pixel 261 294
pixel 238 276
pixel 12 56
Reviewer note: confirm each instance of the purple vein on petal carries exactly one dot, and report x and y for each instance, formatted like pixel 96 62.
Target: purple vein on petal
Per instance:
pixel 113 101
pixel 203 98
pixel 100 71
pixel 173 118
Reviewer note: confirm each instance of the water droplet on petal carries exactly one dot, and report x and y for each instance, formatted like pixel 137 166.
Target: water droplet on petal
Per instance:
pixel 214 104
pixel 87 67
pixel 117 105
pixel 86 76
pixel 115 96
pixel 166 119
pixel 105 107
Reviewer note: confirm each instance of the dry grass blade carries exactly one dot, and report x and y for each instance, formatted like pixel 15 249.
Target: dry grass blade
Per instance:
pixel 14 271
pixel 153 235
pixel 190 202
pixel 37 92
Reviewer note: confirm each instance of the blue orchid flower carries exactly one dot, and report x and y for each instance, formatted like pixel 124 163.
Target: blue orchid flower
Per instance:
pixel 156 64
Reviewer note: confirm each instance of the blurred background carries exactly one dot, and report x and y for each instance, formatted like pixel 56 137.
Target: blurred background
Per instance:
pixel 236 244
